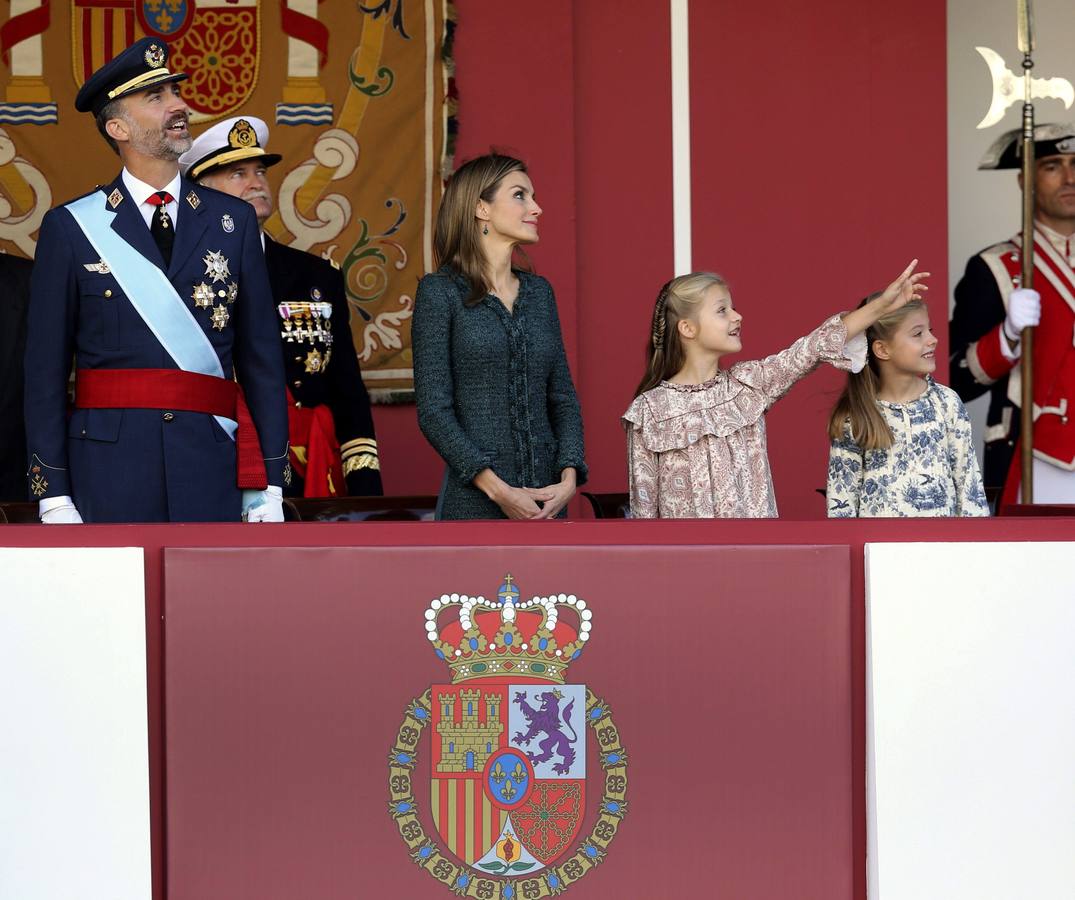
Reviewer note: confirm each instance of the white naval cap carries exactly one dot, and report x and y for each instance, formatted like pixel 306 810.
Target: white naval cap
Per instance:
pixel 235 139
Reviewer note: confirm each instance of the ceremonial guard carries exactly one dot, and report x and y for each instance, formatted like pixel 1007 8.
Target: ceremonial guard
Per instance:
pixel 333 447
pixel 991 311
pixel 158 287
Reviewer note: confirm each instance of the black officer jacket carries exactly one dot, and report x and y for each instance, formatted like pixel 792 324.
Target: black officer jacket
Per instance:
pixel 304 277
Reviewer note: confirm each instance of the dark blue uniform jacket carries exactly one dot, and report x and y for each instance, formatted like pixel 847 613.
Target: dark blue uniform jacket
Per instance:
pixel 149 465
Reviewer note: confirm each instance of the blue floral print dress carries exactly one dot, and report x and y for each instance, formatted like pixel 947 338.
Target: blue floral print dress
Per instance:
pixel 930 469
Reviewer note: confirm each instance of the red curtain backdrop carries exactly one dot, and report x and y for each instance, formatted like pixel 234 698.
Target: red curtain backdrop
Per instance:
pixel 818 156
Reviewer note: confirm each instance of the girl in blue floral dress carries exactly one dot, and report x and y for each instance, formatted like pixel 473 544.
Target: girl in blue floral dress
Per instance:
pixel 901 443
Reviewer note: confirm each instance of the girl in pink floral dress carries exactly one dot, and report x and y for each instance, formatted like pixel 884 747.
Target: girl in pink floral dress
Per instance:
pixel 696 432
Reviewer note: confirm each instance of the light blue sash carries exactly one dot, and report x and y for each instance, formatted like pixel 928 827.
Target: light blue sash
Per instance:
pixel 150 293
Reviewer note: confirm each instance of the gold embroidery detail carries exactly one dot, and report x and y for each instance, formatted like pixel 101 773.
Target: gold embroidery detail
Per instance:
pixel 242 135
pixel 362 461
pixel 154 56
pixel 359 444
pixel 39 485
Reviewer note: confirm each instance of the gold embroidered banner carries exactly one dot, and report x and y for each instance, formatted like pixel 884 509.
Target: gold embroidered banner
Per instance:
pixel 356 96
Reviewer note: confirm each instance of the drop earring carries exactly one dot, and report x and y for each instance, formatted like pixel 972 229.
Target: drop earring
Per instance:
pixel 485 229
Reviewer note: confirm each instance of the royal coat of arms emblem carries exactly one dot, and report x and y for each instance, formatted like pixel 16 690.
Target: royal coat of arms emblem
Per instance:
pixel 507 751
pixel 216 42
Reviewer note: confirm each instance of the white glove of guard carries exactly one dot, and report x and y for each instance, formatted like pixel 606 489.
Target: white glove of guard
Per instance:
pixel 264 506
pixel 58 511
pixel 1024 311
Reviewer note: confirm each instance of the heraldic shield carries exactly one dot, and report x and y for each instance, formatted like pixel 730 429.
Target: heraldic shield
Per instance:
pixel 216 42
pixel 507 748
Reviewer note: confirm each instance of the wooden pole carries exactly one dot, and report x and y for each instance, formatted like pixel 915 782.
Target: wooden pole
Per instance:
pixel 1026 363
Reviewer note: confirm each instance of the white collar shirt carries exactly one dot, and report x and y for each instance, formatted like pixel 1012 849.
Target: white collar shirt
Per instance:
pixel 140 192
pixel 1064 244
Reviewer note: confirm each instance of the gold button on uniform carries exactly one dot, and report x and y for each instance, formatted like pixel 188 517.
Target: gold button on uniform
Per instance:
pixel 108 293
pixel 168 417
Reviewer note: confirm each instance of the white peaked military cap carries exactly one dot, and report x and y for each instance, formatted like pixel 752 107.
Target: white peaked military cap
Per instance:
pixel 233 140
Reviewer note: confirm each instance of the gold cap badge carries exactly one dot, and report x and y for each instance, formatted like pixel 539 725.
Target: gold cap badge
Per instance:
pixel 242 135
pixel 154 56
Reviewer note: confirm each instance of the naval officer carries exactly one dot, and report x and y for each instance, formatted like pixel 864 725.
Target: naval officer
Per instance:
pixel 333 445
pixel 158 288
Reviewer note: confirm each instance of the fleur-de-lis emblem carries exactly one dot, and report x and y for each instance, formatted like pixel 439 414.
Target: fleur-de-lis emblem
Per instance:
pixel 497 775
pixel 519 774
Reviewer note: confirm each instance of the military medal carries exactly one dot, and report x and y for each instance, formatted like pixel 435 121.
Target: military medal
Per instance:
pixel 313 361
pixel 227 223
pixel 216 266
pixel 115 198
pixel 101 268
pixel 202 296
pixel 220 317
pixel 233 292
pixel 193 200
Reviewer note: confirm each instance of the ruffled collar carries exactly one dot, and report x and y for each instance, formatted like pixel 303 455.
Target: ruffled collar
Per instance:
pixel 694 388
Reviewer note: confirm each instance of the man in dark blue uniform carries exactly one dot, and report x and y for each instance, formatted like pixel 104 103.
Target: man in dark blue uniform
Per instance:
pixel 333 446
pixel 158 287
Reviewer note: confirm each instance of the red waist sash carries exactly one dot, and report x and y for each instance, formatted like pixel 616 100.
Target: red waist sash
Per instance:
pixel 186 391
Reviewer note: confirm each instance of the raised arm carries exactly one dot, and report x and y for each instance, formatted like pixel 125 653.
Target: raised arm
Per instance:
pixel 907 287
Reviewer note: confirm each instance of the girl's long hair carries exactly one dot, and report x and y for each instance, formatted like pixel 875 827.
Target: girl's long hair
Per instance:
pixel 678 299
pixel 858 402
pixel 456 241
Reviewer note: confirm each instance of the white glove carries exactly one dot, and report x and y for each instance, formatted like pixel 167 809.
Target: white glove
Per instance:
pixel 58 511
pixel 1024 311
pixel 264 506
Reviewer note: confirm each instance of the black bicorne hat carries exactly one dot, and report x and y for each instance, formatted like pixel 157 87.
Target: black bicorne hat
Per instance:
pixel 1050 139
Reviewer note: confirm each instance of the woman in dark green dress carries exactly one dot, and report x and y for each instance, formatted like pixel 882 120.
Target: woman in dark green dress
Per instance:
pixel 494 393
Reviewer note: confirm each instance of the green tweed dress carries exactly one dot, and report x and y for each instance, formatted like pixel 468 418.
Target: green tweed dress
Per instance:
pixel 493 390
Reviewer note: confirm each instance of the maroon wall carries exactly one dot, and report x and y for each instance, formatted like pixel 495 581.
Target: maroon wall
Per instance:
pixel 732 704
pixel 818 148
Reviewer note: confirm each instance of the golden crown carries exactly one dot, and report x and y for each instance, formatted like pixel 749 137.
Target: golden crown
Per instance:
pixel 508 639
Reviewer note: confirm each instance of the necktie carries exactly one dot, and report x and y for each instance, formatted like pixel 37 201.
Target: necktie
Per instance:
pixel 161 226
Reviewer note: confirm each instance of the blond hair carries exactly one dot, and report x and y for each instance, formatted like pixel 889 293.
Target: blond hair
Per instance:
pixel 678 299
pixel 857 406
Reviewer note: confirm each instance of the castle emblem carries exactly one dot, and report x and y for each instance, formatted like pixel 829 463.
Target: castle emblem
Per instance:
pixel 508 751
